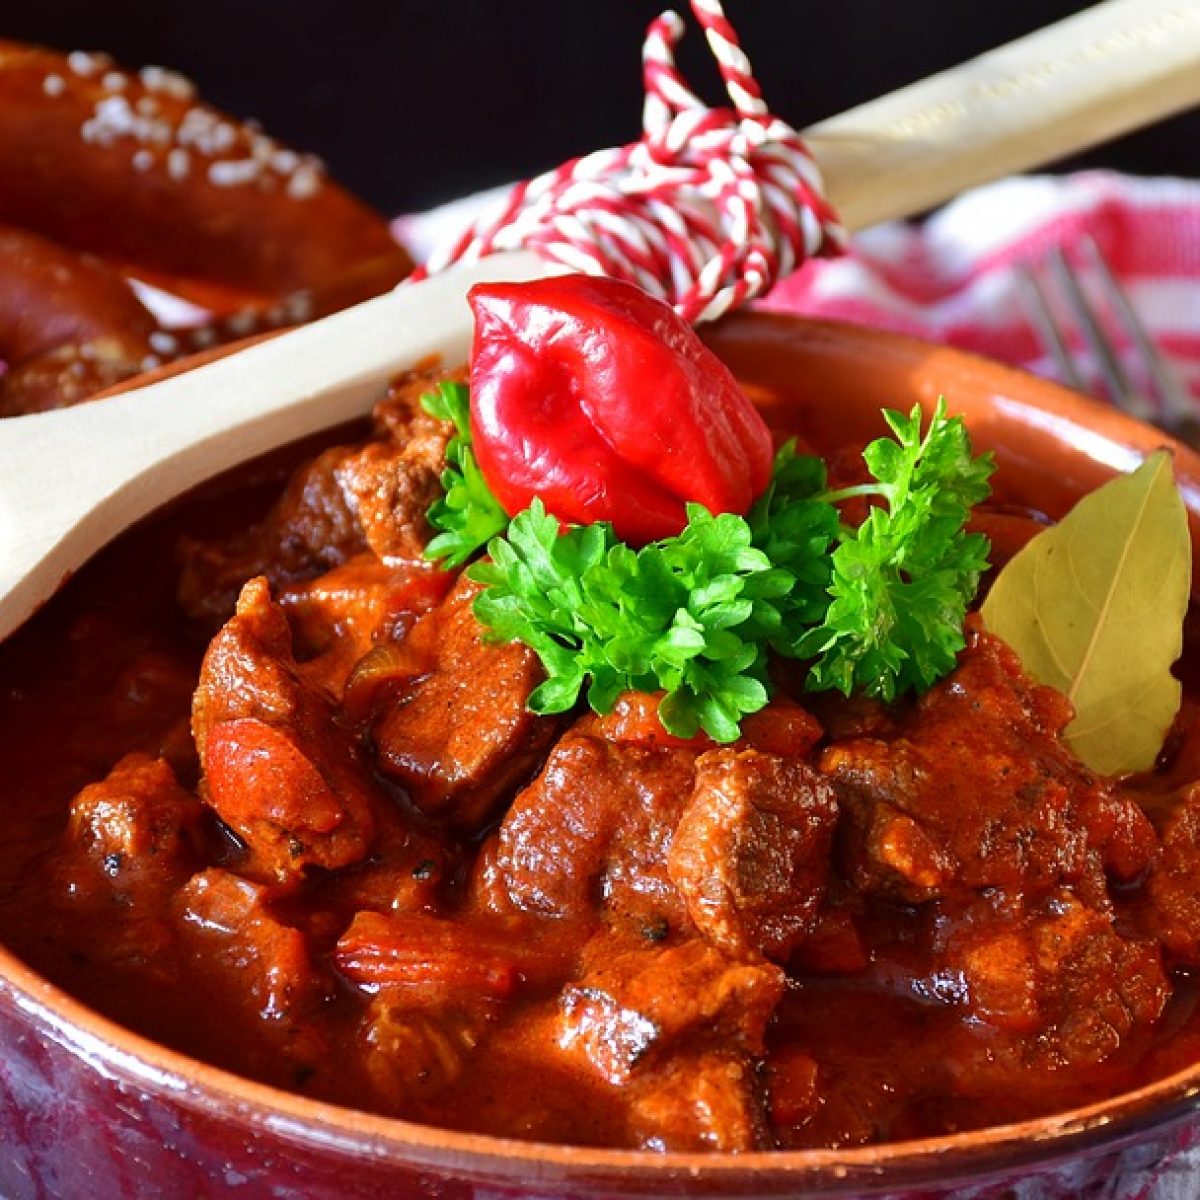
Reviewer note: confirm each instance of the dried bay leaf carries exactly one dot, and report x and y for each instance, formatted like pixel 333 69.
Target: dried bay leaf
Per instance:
pixel 1094 607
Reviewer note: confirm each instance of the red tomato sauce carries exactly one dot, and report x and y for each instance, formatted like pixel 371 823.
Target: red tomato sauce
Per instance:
pixel 306 830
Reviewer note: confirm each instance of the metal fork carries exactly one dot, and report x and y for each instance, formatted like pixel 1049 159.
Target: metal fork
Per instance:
pixel 1057 287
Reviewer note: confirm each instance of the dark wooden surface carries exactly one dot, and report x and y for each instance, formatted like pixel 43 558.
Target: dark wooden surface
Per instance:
pixel 416 101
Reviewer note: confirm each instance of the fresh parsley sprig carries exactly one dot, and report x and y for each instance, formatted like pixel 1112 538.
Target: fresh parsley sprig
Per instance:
pixel 795 525
pixel 468 515
pixel 686 615
pixel 902 580
pixel 876 608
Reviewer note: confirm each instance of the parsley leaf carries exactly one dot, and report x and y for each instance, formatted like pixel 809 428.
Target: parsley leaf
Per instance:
pixel 795 526
pixel 468 515
pixel 682 615
pixel 902 581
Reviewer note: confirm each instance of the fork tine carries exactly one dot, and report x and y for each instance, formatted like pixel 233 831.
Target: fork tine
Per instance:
pixel 1037 305
pixel 1121 390
pixel 1179 413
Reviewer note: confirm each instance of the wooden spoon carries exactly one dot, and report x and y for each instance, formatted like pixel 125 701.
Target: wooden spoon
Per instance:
pixel 72 480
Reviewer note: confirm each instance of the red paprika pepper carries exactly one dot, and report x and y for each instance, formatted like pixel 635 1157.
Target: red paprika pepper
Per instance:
pixel 599 399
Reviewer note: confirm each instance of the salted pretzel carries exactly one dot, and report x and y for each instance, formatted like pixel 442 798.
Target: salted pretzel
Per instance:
pixel 69 325
pixel 98 163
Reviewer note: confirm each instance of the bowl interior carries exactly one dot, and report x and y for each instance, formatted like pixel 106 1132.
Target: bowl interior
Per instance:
pixel 829 381
pixel 1052 444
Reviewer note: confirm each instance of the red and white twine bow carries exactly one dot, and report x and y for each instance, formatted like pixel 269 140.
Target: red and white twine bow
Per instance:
pixel 706 211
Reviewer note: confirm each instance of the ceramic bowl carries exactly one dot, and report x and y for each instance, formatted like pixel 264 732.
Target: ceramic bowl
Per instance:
pixel 88 1109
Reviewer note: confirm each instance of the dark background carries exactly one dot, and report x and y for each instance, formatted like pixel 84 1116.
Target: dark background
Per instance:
pixel 416 101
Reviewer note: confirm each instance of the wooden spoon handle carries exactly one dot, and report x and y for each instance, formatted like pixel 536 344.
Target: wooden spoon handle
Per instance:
pixel 71 480
pixel 1114 67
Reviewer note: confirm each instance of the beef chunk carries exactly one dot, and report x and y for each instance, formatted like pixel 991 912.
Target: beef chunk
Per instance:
pixel 635 1002
pixel 341 615
pixel 679 1027
pixel 265 962
pixel 593 831
pixel 439 987
pixel 1172 892
pixel 131 840
pixel 408 870
pixel 310 528
pixel 389 486
pixel 702 1100
pixel 975 790
pixel 412 1054
pixel 342 609
pixel 459 736
pixel 400 417
pixel 137 829
pixel 1059 979
pixel 278 769
pixel 751 851
pixel 346 501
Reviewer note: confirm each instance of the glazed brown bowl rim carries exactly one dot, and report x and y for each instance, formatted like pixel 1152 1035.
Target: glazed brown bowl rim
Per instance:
pixel 133 1058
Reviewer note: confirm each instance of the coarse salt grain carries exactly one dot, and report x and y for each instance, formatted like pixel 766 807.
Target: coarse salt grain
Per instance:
pixel 179 164
pixel 243 323
pixel 112 118
pixel 263 148
pixel 143 160
pixel 54 85
pixel 82 62
pixel 285 161
pixel 305 181
pixel 224 137
pixel 233 173
pixel 115 81
pixel 195 124
pixel 169 83
pixel 206 132
pixel 298 307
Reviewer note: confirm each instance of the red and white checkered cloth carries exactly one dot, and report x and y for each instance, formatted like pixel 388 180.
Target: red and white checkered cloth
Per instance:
pixel 950 279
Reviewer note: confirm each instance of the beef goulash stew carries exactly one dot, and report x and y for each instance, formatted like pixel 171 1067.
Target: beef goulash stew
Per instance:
pixel 565 760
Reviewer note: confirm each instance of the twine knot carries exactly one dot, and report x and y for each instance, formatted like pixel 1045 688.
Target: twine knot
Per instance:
pixel 706 211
